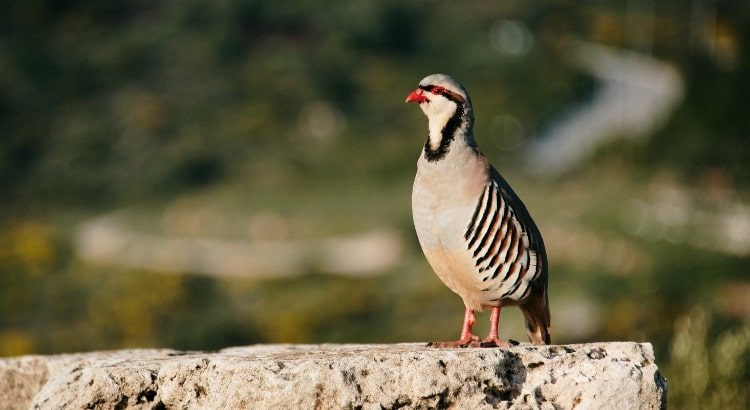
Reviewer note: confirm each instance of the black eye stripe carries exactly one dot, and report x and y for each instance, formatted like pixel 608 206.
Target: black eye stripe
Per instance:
pixel 446 93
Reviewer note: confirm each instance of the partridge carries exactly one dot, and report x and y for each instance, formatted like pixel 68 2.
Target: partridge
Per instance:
pixel 475 232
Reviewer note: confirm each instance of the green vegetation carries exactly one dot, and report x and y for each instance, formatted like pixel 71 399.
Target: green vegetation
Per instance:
pixel 217 107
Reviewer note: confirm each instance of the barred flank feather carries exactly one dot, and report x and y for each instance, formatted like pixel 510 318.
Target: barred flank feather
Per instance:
pixel 500 246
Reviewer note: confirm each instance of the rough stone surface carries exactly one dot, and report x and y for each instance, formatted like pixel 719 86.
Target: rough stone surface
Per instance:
pixel 600 375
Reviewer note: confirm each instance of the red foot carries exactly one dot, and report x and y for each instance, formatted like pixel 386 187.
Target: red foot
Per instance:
pixel 472 341
pixel 494 342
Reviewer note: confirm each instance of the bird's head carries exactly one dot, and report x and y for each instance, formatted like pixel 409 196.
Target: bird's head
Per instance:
pixel 439 96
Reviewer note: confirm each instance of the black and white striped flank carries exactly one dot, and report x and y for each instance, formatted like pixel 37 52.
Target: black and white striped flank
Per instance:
pixel 500 245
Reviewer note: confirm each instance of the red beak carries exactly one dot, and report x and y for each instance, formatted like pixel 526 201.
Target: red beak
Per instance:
pixel 416 96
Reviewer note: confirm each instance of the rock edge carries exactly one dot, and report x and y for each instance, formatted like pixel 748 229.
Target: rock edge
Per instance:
pixel 410 375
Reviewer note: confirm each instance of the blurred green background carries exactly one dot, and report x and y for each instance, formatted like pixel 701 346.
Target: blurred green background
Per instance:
pixel 198 175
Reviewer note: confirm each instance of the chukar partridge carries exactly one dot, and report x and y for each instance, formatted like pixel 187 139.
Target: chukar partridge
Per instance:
pixel 474 230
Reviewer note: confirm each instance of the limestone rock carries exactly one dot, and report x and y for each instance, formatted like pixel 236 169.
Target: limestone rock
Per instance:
pixel 600 375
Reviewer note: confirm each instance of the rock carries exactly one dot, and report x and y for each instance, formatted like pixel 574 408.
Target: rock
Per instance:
pixel 598 375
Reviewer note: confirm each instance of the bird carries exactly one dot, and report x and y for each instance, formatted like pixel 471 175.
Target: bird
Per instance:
pixel 475 232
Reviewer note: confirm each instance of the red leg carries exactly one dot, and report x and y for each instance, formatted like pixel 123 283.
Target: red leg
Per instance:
pixel 492 339
pixel 469 320
pixel 467 337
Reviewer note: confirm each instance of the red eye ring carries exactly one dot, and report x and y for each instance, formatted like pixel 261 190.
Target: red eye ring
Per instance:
pixel 438 90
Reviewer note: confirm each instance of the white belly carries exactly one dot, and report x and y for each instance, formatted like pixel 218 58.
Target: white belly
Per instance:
pixel 443 203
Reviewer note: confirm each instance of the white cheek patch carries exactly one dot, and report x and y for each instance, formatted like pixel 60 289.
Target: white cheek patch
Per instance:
pixel 439 110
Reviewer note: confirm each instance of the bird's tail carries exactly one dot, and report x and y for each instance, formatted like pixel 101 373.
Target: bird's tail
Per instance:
pixel 536 312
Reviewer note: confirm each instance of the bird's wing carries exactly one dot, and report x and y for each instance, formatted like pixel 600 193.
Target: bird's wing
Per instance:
pixel 503 241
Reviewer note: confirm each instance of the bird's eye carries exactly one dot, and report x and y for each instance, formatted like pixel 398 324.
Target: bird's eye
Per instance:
pixel 438 90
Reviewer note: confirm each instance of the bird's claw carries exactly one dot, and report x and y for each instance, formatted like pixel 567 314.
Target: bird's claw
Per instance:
pixel 474 341
pixel 494 342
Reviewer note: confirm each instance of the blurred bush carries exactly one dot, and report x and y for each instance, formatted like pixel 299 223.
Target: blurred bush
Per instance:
pixel 708 373
pixel 115 102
